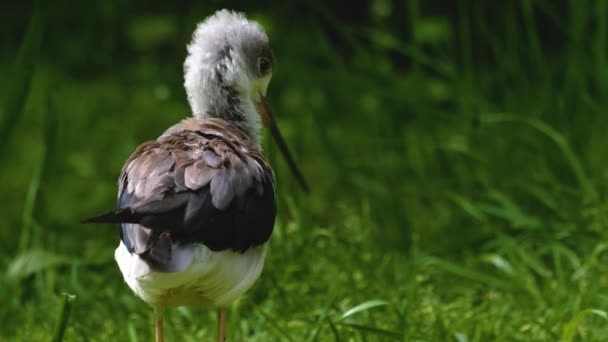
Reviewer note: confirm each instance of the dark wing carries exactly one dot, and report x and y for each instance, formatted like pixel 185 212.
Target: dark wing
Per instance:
pixel 194 187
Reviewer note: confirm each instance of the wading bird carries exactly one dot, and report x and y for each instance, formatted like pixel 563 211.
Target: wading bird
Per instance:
pixel 196 207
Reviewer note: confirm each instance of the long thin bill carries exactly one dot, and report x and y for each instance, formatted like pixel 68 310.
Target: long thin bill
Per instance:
pixel 269 122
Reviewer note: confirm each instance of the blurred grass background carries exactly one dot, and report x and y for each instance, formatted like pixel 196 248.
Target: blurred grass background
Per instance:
pixel 457 154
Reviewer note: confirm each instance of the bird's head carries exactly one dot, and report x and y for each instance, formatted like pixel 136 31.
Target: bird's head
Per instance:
pixel 228 68
pixel 227 72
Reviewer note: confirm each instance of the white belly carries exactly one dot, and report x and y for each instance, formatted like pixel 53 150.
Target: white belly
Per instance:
pixel 208 279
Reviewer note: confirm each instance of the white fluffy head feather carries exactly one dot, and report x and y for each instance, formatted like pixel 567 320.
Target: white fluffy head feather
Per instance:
pixel 222 69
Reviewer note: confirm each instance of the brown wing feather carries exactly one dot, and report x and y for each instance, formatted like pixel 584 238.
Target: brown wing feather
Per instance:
pixel 201 181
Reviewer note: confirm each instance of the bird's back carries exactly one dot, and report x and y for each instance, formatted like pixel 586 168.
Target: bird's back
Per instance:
pixel 200 182
pixel 195 208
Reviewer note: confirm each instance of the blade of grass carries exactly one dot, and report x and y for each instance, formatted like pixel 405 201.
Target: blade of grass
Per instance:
pixel 569 330
pixel 27 215
pixel 32 262
pixel 530 260
pixel 314 332
pixel 63 317
pixel 529 19
pixel 600 45
pixel 465 272
pixel 274 325
pixel 21 80
pixel 334 330
pixel 558 139
pixel 36 260
pixel 370 304
pixel 31 233
pixel 466 89
pixel 48 160
pixel 467 206
pixel 132 332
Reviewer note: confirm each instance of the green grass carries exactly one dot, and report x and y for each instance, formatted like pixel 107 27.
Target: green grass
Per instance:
pixel 459 172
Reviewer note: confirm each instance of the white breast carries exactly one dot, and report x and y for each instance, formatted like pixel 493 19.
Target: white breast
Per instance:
pixel 208 279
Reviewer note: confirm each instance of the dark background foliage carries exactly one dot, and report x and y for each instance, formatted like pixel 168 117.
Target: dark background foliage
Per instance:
pixel 455 151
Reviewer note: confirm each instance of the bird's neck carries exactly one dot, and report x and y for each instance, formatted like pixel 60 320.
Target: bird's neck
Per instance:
pixel 234 108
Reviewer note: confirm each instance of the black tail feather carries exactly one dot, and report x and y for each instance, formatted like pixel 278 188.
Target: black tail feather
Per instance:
pixel 121 216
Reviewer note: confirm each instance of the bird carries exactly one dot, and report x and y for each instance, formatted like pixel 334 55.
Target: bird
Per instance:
pixel 196 207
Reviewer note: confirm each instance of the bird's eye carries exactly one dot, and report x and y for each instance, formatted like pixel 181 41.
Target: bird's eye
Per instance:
pixel 264 66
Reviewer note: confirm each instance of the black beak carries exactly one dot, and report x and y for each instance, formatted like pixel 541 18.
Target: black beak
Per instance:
pixel 268 120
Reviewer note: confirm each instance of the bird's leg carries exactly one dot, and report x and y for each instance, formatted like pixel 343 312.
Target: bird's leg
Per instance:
pixel 221 324
pixel 158 312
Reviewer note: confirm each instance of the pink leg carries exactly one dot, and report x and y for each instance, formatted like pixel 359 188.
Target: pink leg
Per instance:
pixel 159 324
pixel 221 321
